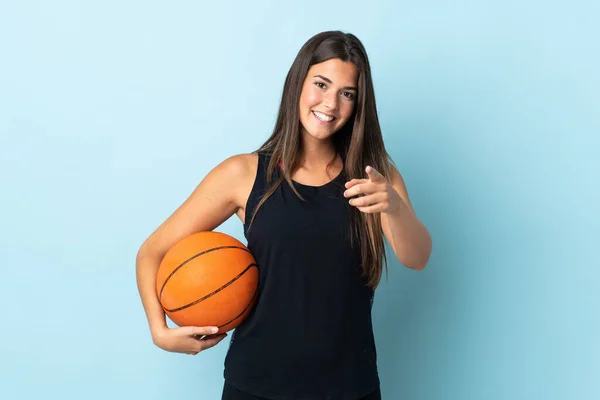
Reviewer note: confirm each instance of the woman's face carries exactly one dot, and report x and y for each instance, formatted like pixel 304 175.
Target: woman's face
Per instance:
pixel 328 97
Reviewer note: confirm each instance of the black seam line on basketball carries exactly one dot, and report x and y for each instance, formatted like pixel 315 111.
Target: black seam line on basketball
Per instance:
pixel 247 306
pixel 193 257
pixel 213 293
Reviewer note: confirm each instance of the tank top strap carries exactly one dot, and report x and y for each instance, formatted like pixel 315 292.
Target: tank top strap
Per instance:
pixel 261 183
pixel 259 188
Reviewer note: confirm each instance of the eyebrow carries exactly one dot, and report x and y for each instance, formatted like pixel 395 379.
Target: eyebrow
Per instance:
pixel 329 81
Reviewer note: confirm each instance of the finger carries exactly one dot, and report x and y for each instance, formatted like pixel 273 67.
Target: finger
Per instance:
pixel 369 200
pixel 360 188
pixel 355 181
pixel 375 208
pixel 374 175
pixel 212 340
pixel 198 330
pixel 202 343
pixel 218 335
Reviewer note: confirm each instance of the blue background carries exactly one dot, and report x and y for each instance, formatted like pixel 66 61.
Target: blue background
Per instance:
pixel 112 112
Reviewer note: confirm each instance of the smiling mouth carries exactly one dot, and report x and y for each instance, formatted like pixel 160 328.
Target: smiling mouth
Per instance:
pixel 323 117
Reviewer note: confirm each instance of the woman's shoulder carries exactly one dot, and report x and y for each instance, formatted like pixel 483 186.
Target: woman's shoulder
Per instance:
pixel 242 161
pixel 239 172
pixel 240 167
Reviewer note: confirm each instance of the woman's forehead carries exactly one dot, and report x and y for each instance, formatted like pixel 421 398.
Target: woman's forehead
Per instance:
pixel 340 73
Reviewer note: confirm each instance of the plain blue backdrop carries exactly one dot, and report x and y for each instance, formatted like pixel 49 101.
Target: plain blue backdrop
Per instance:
pixel 112 112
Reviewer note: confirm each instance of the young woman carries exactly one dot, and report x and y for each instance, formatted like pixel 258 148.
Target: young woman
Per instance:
pixel 316 200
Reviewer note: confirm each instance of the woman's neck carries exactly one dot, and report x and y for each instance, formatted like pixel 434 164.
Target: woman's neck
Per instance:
pixel 317 154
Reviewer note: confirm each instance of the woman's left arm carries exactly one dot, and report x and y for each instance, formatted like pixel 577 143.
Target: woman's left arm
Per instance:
pixel 409 238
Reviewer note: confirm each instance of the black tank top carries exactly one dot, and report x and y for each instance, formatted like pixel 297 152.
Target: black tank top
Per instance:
pixel 310 334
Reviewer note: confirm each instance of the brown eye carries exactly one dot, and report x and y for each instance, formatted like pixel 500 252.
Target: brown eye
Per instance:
pixel 349 96
pixel 320 84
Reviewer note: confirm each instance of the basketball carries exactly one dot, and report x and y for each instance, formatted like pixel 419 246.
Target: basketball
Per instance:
pixel 208 279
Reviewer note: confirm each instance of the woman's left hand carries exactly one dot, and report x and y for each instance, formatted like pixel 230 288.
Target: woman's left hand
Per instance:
pixel 377 194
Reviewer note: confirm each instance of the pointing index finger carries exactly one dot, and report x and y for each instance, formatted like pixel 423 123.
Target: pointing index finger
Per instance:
pixel 374 175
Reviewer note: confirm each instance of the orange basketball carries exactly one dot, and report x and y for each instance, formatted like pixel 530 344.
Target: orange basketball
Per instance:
pixel 208 279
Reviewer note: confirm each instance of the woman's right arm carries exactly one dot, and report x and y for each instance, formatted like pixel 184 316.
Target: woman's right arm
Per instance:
pixel 212 202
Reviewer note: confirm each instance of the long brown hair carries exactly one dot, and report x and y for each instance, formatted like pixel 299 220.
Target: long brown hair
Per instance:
pixel 359 142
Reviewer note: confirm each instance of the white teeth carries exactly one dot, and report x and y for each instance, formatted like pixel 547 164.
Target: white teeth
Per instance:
pixel 322 117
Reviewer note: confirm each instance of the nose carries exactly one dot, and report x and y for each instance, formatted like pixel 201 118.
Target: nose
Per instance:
pixel 331 101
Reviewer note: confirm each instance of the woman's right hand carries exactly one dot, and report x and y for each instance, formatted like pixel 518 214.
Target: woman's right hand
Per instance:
pixel 187 339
